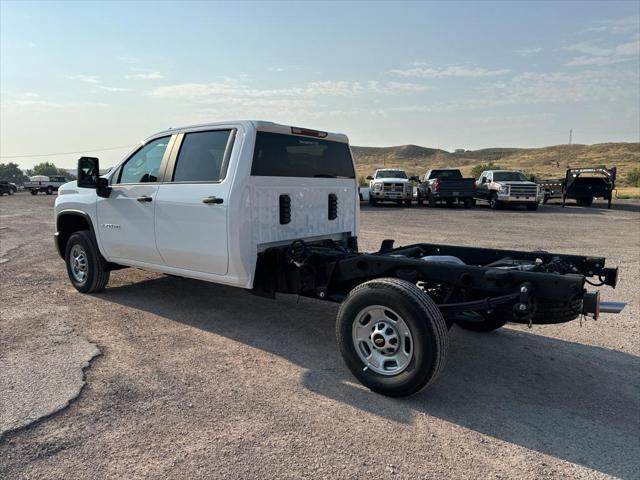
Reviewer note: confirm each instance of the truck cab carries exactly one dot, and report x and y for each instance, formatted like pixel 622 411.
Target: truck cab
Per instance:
pixel 390 185
pixel 203 201
pixel 507 187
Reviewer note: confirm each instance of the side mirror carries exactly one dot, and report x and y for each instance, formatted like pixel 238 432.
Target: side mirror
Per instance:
pixel 89 176
pixel 369 177
pixel 88 172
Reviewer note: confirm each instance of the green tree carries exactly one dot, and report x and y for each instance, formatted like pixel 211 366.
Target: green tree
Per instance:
pixel 48 169
pixel 633 177
pixel 478 169
pixel 10 172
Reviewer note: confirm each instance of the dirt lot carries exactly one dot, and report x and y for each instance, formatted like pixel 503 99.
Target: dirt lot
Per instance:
pixel 192 380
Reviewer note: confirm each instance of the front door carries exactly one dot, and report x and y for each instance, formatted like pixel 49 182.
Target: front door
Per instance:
pixel 191 207
pixel 126 217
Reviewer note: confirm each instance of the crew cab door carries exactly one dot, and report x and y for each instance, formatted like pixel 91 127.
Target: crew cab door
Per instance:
pixel 192 204
pixel 483 185
pixel 126 217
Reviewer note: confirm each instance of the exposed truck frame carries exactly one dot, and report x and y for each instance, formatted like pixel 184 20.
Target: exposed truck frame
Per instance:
pixel 274 220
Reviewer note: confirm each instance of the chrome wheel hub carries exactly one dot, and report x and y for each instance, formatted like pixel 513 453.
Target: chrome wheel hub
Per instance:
pixel 78 263
pixel 382 340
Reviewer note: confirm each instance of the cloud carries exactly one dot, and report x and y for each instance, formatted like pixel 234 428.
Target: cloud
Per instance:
pixel 525 52
pixel 449 71
pixel 85 78
pixel 145 76
pixel 234 91
pixel 621 26
pixel 112 89
pixel 33 101
pixel 597 55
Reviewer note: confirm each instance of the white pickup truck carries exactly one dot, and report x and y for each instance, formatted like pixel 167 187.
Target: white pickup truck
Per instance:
pixel 44 184
pixel 274 209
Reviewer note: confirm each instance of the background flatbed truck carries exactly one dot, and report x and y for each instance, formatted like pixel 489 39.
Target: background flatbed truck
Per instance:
pixel 274 209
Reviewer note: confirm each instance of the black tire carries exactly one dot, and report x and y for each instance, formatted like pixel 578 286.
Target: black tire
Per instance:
pixel 407 203
pixel 431 200
pixel 10 192
pixel 430 341
pixel 49 190
pixel 97 275
pixel 532 207
pixel 34 192
pixel 372 201
pixel 494 203
pixel 420 201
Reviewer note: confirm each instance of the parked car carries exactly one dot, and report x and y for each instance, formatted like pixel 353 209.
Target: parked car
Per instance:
pixel 446 185
pixel 507 187
pixel 390 185
pixel 274 209
pixel 46 184
pixel 581 185
pixel 7 187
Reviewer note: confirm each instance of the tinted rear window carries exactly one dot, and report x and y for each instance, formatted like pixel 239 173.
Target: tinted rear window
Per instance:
pixel 279 155
pixel 446 174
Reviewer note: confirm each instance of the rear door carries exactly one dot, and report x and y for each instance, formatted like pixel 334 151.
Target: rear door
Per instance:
pixel 126 217
pixel 191 207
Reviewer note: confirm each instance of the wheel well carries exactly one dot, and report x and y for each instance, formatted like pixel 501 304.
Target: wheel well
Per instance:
pixel 66 225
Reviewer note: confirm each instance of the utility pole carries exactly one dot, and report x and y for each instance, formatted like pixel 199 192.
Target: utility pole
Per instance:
pixel 570 135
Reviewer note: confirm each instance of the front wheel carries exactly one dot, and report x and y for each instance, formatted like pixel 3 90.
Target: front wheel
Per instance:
pixel 494 203
pixel 392 336
pixel 86 267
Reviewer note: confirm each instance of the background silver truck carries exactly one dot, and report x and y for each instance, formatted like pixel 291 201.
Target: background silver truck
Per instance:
pixel 46 185
pixel 507 187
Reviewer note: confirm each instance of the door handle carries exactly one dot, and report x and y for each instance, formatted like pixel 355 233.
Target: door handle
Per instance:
pixel 215 200
pixel 144 198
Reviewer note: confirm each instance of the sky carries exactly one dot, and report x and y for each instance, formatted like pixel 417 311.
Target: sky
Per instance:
pixel 82 76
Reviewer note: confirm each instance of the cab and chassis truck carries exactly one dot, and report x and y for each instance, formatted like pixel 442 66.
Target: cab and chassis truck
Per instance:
pixel 274 209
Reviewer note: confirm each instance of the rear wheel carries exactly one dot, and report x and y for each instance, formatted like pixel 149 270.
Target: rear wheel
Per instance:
pixel 49 190
pixel 392 336
pixel 86 267
pixel 432 200
pixel 494 203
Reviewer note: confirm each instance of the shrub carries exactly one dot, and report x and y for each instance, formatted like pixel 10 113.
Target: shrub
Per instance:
pixel 633 177
pixel 478 169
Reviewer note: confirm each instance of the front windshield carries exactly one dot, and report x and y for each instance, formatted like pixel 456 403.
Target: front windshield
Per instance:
pixel 391 174
pixel 509 177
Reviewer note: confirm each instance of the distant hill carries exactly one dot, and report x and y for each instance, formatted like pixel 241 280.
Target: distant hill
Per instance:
pixel 545 162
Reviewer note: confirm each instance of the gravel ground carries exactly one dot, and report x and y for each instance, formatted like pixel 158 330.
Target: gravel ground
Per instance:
pixel 197 380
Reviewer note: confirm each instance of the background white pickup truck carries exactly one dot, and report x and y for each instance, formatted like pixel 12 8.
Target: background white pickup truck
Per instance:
pixel 44 184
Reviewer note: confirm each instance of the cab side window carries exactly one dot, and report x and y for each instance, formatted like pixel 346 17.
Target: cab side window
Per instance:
pixel 144 165
pixel 202 157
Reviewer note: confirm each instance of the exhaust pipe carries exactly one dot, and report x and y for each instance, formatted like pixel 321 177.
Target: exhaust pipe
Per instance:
pixel 612 307
pixel 591 305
